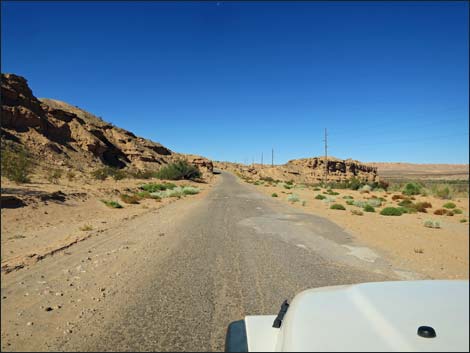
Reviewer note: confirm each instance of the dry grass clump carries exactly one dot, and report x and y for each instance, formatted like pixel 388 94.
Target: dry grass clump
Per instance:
pixel 86 227
pixel 130 199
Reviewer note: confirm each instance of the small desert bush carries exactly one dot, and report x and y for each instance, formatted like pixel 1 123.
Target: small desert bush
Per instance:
pixel 419 250
pixel 429 223
pixel 421 206
pixel 332 193
pixel 268 179
pixel 70 175
pixel 287 186
pixel 440 212
pixel 304 203
pixel 412 189
pixel 405 202
pixel 449 205
pixel 320 197
pixel 290 182
pixel 443 192
pixel 112 204
pixel 357 212
pixel 190 190
pixel 457 211
pixel 337 206
pixel 450 213
pixel 463 220
pixel 293 198
pixel 316 189
pixel 153 187
pixel 366 189
pixel 54 175
pixel 391 211
pixel 368 208
pixel 130 199
pixel 350 202
pixel 16 164
pixel 179 170
pixel 359 203
pixel 407 209
pixel 374 202
pixel 142 174
pixel 86 227
pixel 274 194
pixel 347 197
pixel 103 173
pixel 398 197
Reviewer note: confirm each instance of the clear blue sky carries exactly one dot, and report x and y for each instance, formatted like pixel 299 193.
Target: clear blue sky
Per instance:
pixel 230 80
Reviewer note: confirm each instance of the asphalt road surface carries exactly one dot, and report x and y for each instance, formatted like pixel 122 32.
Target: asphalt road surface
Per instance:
pixel 243 254
pixel 174 279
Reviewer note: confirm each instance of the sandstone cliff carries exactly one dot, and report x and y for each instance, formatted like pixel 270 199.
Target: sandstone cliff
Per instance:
pixel 59 134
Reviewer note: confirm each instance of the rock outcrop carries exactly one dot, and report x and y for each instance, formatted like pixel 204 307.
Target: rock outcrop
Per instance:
pixel 57 133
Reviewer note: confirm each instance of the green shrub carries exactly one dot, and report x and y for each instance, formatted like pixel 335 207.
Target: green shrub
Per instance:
pixel 316 189
pixel 347 197
pixel 54 175
pixel 354 183
pixel 337 206
pixel 103 173
pixel 463 220
pixel 152 187
pixel 457 211
pixel 368 208
pixel 359 203
pixel 357 212
pixel 405 203
pixel 274 194
pixel 178 170
pixel 374 202
pixel 350 202
pixel 412 189
pixel 290 182
pixel 268 179
pixel 293 198
pixel 391 211
pixel 190 190
pixel 407 209
pixel 320 197
pixel 333 193
pixel 131 199
pixel 449 205
pixel 443 193
pixel 112 204
pixel 142 174
pixel 304 203
pixel 288 187
pixel 16 164
pixel 366 188
pixel 432 224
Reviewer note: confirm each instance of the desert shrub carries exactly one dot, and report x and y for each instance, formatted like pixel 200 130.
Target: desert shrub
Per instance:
pixel 290 182
pixel 274 194
pixel 443 192
pixel 86 227
pixel 354 183
pixel 449 213
pixel 366 189
pixel 287 186
pixel 391 211
pixel 357 212
pixel 142 174
pixel 440 212
pixel 268 179
pixel 316 189
pixel 407 209
pixel 397 197
pixel 405 202
pixel 190 190
pixel 153 187
pixel 179 170
pixel 304 203
pixel 374 202
pixel 337 206
pixel 112 204
pixel 131 199
pixel 176 192
pixel 320 197
pixel 429 223
pixel 359 203
pixel 329 200
pixel 16 164
pixel 347 197
pixel 293 198
pixel 70 175
pixel 449 205
pixel 54 175
pixel 412 189
pixel 463 220
pixel 258 182
pixel 457 211
pixel 350 202
pixel 103 173
pixel 368 208
pixel 332 193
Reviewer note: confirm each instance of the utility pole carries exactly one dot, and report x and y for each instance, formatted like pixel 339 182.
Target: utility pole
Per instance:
pixel 272 157
pixel 326 156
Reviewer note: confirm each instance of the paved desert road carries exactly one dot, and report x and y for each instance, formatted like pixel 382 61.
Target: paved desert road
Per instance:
pixel 232 253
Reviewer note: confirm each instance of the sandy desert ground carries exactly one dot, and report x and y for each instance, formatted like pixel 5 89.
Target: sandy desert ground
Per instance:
pixel 438 253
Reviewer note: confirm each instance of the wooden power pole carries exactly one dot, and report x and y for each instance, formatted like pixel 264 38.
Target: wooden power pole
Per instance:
pixel 326 156
pixel 272 157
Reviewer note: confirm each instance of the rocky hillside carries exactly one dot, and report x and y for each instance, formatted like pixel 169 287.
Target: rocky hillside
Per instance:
pixel 307 170
pixel 59 134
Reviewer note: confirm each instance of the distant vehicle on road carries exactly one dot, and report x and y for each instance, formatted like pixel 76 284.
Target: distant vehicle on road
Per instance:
pixel 380 316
